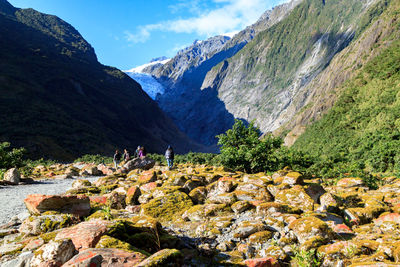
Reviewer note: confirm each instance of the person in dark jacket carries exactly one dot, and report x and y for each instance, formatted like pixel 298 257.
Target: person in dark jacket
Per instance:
pixel 117 158
pixel 126 155
pixel 169 155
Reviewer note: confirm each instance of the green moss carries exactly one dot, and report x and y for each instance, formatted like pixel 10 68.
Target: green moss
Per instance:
pixel 260 237
pixel 165 257
pixel 107 188
pixel 47 237
pixel 100 214
pixel 165 208
pixel 51 223
pixel 144 238
pixel 111 242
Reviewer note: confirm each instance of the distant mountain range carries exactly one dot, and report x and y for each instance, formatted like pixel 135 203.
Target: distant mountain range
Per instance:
pixel 59 102
pixel 272 72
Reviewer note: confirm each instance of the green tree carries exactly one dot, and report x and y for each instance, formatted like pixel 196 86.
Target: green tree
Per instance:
pixel 10 158
pixel 243 150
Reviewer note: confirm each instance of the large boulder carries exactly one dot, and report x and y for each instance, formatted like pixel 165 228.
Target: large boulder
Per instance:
pixel 105 257
pixel 138 163
pixel 54 253
pixel 296 197
pixel 36 225
pixel 77 205
pixel 12 175
pixel 310 227
pixel 350 182
pixel 105 169
pixel 165 207
pixel 86 234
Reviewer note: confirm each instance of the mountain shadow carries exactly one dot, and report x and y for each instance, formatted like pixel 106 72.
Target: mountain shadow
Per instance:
pixel 59 102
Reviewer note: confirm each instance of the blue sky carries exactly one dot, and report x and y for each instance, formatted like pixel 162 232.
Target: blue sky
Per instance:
pixel 128 33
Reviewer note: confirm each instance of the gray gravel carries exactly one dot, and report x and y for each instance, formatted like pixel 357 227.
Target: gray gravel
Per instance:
pixel 12 197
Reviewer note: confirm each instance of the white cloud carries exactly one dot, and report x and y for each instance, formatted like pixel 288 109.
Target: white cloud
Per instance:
pixel 230 16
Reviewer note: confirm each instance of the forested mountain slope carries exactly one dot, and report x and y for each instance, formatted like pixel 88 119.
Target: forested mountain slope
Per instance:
pixel 58 101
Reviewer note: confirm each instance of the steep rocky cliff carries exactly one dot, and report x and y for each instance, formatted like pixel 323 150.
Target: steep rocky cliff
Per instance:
pixel 262 82
pixel 200 113
pixel 316 98
pixel 58 101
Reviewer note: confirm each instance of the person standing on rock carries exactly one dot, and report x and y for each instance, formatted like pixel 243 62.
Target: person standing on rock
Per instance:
pixel 142 152
pixel 117 158
pixel 126 157
pixel 169 155
pixel 137 152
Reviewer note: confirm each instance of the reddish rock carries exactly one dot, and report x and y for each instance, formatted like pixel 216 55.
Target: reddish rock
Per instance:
pixel 54 253
pixel 34 244
pixel 342 229
pixel 132 195
pixel 148 187
pixel 98 199
pixel 147 177
pixel 77 205
pixel 143 163
pixel 350 182
pixel 389 217
pixel 86 234
pixel 262 262
pixel 104 169
pixel 110 257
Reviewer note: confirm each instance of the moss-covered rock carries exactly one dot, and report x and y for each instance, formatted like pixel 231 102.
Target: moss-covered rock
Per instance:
pixel 272 207
pixel 165 257
pixel 247 228
pixel 84 190
pixel 309 227
pixel 350 182
pixel 259 238
pixel 225 198
pixel 198 195
pixel 111 242
pixel 164 208
pixel 297 197
pixel 293 178
pixel 144 238
pixel 36 225
pixel 81 183
pixel 241 206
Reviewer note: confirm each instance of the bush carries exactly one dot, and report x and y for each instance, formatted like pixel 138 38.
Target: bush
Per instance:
pixel 10 158
pixel 191 157
pixel 242 149
pixel 97 159
pixel 28 165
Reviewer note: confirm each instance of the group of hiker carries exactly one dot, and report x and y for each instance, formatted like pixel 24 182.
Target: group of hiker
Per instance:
pixel 140 152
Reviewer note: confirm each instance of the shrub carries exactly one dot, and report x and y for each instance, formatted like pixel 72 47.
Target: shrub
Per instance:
pixel 10 158
pixel 243 150
pixel 97 159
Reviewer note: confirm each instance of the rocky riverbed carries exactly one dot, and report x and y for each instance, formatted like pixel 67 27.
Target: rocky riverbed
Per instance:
pixel 209 216
pixel 14 196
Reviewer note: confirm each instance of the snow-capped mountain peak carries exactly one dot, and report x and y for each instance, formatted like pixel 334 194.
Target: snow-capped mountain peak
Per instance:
pixel 139 69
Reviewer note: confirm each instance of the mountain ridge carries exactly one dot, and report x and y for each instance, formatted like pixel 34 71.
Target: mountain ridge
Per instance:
pixel 61 102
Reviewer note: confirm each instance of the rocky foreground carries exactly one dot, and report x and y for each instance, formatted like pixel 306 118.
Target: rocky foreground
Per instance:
pixel 205 216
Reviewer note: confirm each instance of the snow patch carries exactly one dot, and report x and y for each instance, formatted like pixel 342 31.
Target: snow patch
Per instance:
pixel 140 69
